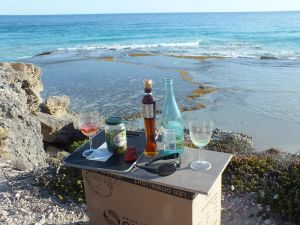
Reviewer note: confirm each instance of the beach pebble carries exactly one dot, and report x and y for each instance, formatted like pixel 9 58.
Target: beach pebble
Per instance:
pixel 41 222
pixel 251 215
pixel 3 213
pixel 253 194
pixel 267 222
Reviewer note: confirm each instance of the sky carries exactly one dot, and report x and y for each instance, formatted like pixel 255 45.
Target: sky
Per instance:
pixel 41 7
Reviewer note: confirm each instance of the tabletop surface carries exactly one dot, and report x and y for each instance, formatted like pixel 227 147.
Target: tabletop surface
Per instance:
pixel 115 162
pixel 184 178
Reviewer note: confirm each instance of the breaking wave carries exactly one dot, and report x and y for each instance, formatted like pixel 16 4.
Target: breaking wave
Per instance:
pixel 193 48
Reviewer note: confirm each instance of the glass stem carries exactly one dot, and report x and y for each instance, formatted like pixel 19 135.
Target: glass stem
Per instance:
pixel 199 154
pixel 91 143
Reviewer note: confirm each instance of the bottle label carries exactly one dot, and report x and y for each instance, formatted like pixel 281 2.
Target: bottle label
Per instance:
pixel 169 139
pixel 119 140
pixel 148 110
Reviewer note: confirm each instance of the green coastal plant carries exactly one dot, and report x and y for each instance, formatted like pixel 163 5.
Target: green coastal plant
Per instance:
pixel 65 182
pixel 68 185
pixel 76 144
pixel 276 181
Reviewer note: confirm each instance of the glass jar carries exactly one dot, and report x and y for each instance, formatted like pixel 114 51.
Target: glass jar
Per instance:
pixel 115 135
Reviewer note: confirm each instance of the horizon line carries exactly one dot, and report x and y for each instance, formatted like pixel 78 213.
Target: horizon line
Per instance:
pixel 124 13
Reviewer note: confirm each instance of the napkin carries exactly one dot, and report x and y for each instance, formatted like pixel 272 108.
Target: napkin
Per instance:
pixel 101 155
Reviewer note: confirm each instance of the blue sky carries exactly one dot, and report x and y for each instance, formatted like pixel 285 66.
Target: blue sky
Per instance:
pixel 13 7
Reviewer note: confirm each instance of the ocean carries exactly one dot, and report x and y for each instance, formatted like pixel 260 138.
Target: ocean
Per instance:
pixel 252 59
pixel 250 35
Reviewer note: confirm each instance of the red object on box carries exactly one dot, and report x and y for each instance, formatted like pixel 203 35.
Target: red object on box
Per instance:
pixel 131 154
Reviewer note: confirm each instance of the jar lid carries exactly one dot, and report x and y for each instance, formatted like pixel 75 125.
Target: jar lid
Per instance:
pixel 115 120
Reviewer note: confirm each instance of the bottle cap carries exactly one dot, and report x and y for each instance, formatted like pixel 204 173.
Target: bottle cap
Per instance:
pixel 115 120
pixel 147 84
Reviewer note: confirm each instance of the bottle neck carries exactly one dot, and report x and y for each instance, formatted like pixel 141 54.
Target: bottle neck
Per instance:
pixel 169 90
pixel 148 91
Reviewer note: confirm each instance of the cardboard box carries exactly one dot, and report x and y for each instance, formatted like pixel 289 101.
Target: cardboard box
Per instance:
pixel 186 197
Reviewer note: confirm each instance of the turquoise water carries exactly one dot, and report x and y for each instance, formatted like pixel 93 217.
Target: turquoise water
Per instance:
pixel 220 34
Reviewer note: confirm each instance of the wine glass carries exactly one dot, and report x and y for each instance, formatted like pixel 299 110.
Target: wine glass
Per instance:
pixel 200 133
pixel 89 123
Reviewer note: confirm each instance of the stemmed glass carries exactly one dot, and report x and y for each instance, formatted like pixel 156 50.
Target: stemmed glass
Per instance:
pixel 200 133
pixel 89 123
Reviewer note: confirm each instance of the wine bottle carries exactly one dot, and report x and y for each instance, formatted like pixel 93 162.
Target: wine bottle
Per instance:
pixel 172 122
pixel 149 102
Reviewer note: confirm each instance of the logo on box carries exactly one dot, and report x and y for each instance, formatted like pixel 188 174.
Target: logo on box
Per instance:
pixel 112 218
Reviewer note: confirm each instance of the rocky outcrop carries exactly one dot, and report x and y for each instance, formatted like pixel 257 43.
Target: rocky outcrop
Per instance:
pixel 20 87
pixel 231 142
pixel 58 121
pixel 226 141
pixel 25 122
pixel 24 78
pixel 52 151
pixel 57 105
pixel 3 140
pixel 58 129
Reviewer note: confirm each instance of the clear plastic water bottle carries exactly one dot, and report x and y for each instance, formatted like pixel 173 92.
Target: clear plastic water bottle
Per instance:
pixel 172 122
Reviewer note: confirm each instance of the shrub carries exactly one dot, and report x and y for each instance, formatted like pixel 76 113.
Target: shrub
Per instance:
pixel 277 181
pixel 76 144
pixel 68 185
pixel 65 182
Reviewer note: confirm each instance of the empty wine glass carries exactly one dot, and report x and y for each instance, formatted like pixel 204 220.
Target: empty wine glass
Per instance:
pixel 200 133
pixel 89 123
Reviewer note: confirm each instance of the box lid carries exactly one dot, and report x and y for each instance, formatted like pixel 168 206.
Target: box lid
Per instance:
pixel 186 180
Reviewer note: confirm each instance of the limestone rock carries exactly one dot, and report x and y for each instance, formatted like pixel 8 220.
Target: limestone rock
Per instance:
pixel 58 129
pixel 226 141
pixel 62 155
pixel 20 131
pixel 273 151
pixel 24 143
pixel 56 156
pixel 231 142
pixel 24 78
pixel 57 105
pixel 3 136
pixel 52 151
